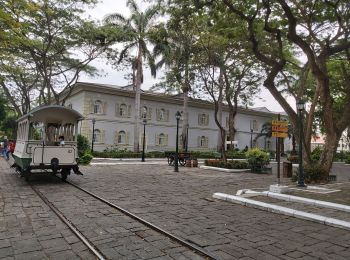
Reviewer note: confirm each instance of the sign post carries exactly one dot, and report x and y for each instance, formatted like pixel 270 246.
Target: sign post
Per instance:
pixel 280 131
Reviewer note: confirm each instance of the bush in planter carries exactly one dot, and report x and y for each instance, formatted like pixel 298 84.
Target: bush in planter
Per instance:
pixel 313 173
pixel 235 154
pixel 257 159
pixel 347 160
pixel 83 145
pixel 85 158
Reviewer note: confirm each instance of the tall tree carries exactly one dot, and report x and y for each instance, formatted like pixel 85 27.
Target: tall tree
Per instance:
pixel 54 44
pixel 137 31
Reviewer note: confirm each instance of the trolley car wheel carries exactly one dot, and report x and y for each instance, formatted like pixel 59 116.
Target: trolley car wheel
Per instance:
pixel 26 174
pixel 182 161
pixel 64 174
pixel 171 160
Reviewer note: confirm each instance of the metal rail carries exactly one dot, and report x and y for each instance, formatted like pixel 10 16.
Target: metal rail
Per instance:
pixel 70 225
pixel 185 243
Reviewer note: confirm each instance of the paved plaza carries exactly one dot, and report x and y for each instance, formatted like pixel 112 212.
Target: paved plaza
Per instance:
pixel 180 203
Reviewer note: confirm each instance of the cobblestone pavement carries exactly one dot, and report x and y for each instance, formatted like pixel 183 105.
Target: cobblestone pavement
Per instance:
pixel 180 203
pixel 28 228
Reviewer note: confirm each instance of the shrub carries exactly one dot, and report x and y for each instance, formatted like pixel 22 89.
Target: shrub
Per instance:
pixel 313 173
pixel 83 145
pixel 257 159
pixel 235 154
pixel 85 158
pixel 341 156
pixel 316 154
pixel 227 165
pixel 347 160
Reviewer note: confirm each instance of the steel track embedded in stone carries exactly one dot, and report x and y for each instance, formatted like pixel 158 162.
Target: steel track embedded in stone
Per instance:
pixel 90 246
pixel 199 250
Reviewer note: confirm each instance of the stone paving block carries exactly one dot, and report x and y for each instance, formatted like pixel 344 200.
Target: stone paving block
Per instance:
pixel 27 245
pixel 36 255
pixel 6 251
pixel 5 243
pixel 63 255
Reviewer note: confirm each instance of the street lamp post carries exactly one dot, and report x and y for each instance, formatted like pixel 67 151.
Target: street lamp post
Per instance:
pixel 144 122
pixel 186 147
pixel 177 116
pixel 251 138
pixel 301 108
pixel 93 135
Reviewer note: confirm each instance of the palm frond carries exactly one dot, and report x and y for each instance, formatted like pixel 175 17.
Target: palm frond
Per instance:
pixel 124 52
pixel 115 18
pixel 133 6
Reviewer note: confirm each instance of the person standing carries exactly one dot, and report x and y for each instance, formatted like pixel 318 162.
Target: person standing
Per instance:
pixel 4 148
pixel 11 149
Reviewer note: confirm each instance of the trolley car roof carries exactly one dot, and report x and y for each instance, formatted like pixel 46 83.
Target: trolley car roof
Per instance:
pixel 52 114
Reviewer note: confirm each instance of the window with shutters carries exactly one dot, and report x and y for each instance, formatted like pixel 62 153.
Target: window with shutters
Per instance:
pixel 144 111
pixel 121 137
pixel 161 139
pixel 203 141
pixel 97 136
pixel 254 125
pixel 123 110
pixel 98 107
pixel 203 119
pixel 162 115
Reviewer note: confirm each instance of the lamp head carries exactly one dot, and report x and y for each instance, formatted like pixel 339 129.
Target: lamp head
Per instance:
pixel 144 121
pixel 93 120
pixel 300 105
pixel 178 115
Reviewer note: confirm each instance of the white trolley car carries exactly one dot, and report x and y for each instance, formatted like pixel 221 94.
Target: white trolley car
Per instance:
pixel 38 149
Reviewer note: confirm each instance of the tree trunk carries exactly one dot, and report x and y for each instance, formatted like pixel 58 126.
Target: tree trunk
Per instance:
pixel 329 149
pixel 137 100
pixel 185 125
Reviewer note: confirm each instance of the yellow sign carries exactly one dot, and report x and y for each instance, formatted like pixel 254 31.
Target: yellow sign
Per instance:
pixel 280 123
pixel 278 134
pixel 276 128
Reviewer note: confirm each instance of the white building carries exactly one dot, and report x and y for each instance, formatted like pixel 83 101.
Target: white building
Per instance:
pixel 113 108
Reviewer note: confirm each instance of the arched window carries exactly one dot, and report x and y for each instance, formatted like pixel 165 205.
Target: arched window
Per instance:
pixel 122 110
pixel 98 107
pixel 144 112
pixel 161 139
pixel 70 105
pixel 121 137
pixel 97 136
pixel 203 119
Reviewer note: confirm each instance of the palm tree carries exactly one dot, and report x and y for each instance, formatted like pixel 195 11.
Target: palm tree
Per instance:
pixel 137 36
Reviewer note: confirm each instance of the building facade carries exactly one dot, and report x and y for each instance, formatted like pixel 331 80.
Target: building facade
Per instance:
pixel 112 109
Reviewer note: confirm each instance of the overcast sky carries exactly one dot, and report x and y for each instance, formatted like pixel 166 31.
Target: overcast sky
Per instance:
pixel 111 76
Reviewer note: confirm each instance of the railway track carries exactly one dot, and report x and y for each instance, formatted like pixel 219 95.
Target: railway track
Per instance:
pixel 94 249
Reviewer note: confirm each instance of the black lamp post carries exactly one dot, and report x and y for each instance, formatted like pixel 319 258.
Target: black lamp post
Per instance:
pixel 177 116
pixel 187 126
pixel 144 122
pixel 301 108
pixel 93 135
pixel 251 138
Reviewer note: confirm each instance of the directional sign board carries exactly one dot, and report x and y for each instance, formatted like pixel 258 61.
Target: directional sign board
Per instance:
pixel 279 123
pixel 278 134
pixel 283 129
pixel 279 128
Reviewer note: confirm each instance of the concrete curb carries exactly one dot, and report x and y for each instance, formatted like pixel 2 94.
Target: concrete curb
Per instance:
pixel 313 202
pixel 223 169
pixel 283 210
